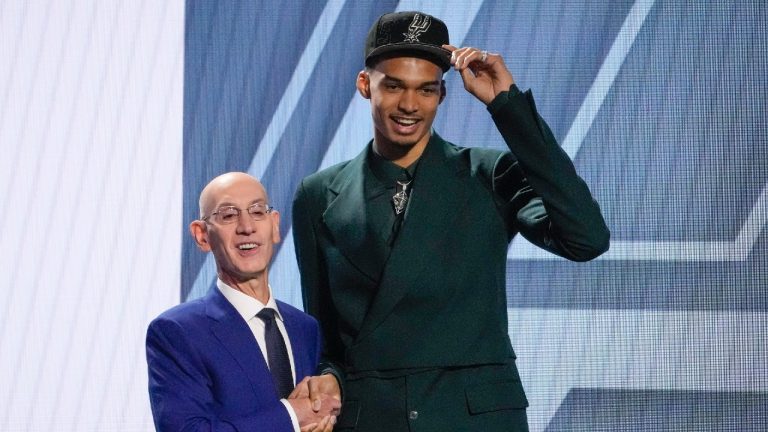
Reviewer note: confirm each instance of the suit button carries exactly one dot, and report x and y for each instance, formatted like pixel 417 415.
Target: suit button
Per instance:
pixel 413 415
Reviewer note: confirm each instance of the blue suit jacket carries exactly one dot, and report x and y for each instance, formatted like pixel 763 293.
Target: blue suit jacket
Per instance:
pixel 207 373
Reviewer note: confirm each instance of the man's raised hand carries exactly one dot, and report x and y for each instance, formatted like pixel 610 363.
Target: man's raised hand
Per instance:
pixel 484 74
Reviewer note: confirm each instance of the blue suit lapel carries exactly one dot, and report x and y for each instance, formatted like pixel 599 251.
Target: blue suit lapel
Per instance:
pixel 237 339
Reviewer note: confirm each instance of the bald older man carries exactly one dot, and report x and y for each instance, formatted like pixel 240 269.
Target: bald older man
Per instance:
pixel 230 360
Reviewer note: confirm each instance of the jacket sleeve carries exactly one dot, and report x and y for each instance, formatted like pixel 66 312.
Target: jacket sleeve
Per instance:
pixel 180 389
pixel 314 281
pixel 542 195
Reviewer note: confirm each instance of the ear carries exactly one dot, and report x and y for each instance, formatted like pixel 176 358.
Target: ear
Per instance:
pixel 443 91
pixel 363 84
pixel 275 226
pixel 200 233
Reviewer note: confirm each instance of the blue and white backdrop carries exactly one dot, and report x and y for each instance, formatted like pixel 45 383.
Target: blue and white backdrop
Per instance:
pixel 114 114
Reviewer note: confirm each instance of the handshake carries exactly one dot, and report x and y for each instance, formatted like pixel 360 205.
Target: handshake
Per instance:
pixel 316 400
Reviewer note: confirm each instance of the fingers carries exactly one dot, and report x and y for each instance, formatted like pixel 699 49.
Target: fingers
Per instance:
pixel 326 405
pixel 331 420
pixel 322 393
pixel 462 58
pixel 332 406
pixel 484 74
pixel 324 425
pixel 315 393
pixel 301 390
pixel 323 386
pixel 466 75
pixel 329 427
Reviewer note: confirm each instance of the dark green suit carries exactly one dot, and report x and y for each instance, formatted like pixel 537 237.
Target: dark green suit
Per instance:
pixel 422 334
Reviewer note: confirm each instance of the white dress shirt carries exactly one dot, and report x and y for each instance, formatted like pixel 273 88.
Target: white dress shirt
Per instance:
pixel 248 307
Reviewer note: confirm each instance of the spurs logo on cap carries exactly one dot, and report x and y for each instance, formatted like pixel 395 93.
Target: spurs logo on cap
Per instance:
pixel 409 34
pixel 419 25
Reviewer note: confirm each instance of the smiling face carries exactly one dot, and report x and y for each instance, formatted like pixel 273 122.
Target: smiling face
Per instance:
pixel 243 248
pixel 404 93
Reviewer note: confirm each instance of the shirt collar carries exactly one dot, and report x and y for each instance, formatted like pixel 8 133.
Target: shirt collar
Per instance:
pixel 246 305
pixel 387 172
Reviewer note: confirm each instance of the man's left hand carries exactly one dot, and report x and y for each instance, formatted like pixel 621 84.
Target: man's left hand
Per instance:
pixel 484 74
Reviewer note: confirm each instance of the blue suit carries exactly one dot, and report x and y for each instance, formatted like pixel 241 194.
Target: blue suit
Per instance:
pixel 207 373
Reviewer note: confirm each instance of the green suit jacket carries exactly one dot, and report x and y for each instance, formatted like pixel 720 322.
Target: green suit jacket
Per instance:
pixel 438 302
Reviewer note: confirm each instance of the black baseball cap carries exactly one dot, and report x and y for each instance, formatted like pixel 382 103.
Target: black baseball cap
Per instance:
pixel 409 34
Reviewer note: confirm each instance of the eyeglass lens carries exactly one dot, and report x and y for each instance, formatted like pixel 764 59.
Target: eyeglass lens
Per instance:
pixel 226 215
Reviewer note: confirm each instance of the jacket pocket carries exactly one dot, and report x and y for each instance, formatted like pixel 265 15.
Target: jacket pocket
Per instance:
pixel 495 396
pixel 350 412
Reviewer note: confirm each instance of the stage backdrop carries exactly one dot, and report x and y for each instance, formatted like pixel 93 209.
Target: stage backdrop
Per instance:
pixel 662 106
pixel 90 206
pixel 114 114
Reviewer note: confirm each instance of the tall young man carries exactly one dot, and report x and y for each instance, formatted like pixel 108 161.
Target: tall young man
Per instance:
pixel 402 250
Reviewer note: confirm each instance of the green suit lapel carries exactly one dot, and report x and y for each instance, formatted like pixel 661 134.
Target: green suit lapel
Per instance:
pixel 346 217
pixel 437 194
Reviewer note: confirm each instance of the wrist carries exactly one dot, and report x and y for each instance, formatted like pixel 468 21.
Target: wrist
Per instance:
pixel 502 98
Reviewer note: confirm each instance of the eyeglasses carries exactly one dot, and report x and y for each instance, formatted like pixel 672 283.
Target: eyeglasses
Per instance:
pixel 230 214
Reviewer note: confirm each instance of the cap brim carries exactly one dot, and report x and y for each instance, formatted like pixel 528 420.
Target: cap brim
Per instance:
pixel 438 55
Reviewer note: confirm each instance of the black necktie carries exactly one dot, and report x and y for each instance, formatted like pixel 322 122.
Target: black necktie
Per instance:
pixel 277 354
